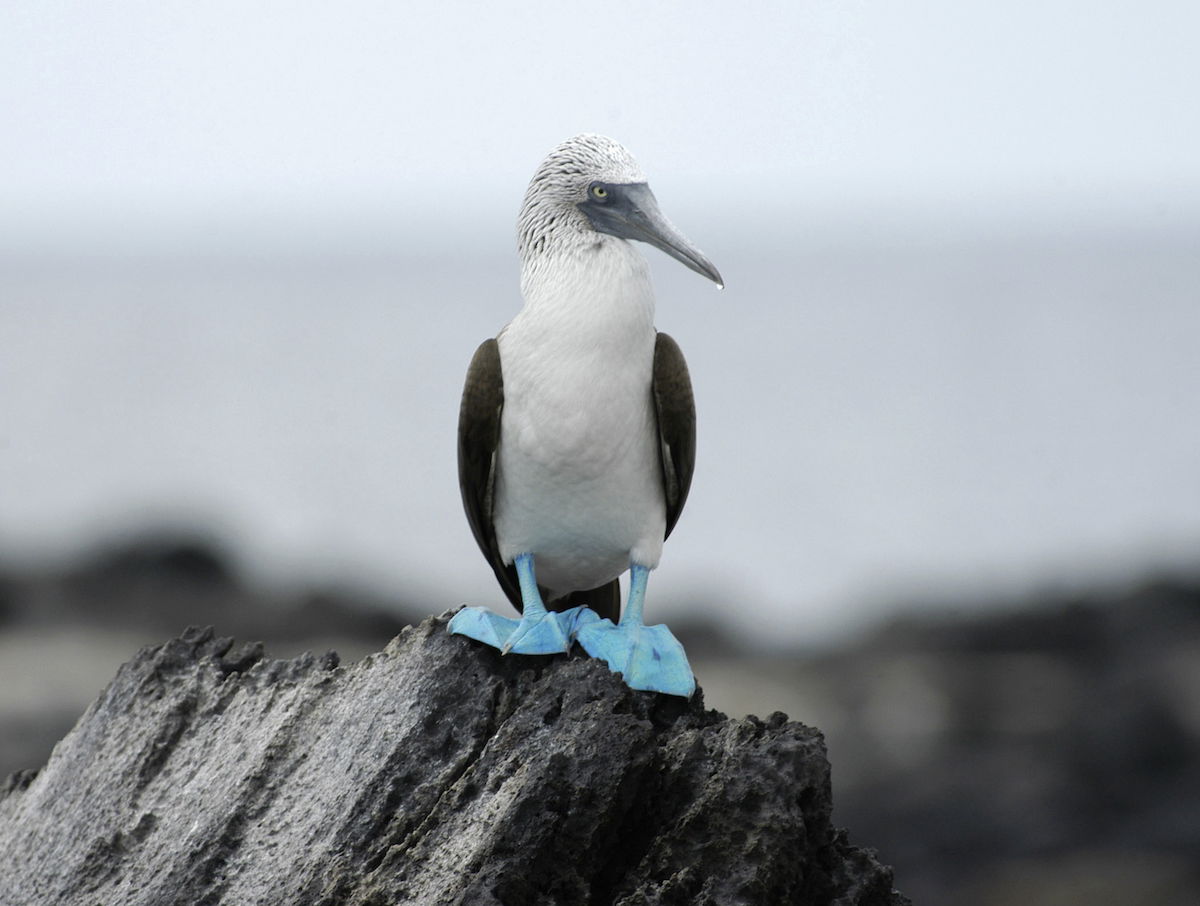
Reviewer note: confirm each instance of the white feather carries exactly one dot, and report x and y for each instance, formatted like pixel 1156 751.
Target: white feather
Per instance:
pixel 578 480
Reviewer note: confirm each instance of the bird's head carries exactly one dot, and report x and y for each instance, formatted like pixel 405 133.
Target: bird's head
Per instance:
pixel 591 184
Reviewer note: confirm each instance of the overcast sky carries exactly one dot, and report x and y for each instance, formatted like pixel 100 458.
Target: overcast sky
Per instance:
pixel 119 116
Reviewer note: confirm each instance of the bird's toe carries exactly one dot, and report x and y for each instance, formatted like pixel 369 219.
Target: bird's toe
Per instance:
pixel 542 633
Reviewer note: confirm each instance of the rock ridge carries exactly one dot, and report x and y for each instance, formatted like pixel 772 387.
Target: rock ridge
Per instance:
pixel 432 772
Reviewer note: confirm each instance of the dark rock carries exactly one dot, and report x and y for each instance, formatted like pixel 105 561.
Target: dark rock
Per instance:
pixel 1063 734
pixel 433 772
pixel 165 557
pixel 159 581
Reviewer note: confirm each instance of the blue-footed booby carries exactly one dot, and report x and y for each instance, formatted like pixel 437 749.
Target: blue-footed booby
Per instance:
pixel 576 436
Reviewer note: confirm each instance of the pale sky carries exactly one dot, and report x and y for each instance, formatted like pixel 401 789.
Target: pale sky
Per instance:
pixel 122 116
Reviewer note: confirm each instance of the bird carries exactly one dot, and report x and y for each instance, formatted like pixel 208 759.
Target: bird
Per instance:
pixel 577 427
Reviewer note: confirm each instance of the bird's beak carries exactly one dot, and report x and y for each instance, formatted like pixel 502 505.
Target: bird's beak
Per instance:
pixel 632 213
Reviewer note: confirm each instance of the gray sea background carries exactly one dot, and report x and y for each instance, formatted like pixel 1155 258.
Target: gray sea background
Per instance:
pixel 886 419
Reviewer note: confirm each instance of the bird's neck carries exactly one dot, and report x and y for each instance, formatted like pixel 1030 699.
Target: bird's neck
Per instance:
pixel 593 287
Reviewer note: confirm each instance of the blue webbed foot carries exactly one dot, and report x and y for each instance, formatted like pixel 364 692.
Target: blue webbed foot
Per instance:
pixel 481 624
pixel 534 633
pixel 649 657
pixel 540 633
pixel 537 632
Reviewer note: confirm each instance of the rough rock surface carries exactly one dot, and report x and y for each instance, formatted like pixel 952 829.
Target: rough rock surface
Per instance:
pixel 432 772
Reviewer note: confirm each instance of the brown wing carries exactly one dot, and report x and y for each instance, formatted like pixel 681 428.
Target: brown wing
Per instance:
pixel 478 442
pixel 676 409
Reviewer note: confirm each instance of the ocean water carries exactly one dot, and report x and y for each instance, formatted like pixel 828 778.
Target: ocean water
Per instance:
pixel 881 423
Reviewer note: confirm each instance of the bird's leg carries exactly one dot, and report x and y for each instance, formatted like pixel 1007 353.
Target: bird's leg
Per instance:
pixel 537 632
pixel 649 657
pixel 638 577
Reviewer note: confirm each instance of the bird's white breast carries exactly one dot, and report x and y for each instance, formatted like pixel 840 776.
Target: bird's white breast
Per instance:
pixel 578 480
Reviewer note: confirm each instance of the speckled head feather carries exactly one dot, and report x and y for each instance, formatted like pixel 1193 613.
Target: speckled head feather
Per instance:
pixel 561 182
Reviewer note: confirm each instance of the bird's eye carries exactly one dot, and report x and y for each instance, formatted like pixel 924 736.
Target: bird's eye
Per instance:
pixel 599 192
